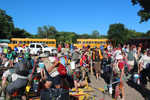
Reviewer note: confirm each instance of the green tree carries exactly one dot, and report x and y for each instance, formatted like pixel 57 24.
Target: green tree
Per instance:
pixel 66 37
pixel 118 33
pixel 95 34
pixel 20 33
pixel 144 12
pixel 6 25
pixel 47 31
pixel 84 36
pixel 148 33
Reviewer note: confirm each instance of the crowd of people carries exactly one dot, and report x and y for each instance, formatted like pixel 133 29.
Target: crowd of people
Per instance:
pixel 72 67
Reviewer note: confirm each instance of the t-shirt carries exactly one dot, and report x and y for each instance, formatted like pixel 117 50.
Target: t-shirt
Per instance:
pixel 13 53
pixel 1 50
pixel 15 49
pixel 9 56
pixel 41 65
pixel 76 77
pixel 102 47
pixel 130 56
pixel 145 60
pixel 75 56
pixel 121 65
pixel 63 61
pixel 5 50
pixel 26 55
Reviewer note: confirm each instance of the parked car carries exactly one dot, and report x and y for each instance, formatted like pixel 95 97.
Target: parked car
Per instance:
pixel 36 48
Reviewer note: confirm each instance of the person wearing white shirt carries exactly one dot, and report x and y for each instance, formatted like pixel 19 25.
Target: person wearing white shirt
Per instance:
pixel 144 60
pixel 144 68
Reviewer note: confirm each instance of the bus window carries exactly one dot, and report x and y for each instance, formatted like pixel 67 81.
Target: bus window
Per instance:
pixel 46 42
pixel 27 42
pixel 79 42
pixel 108 42
pixel 87 42
pixel 14 42
pixel 24 42
pixel 20 42
pixel 51 42
pixel 84 42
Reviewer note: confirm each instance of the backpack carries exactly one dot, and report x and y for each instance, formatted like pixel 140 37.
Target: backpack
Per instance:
pixel 61 69
pixel 22 68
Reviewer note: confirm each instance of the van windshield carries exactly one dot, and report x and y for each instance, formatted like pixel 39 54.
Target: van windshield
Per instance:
pixel 44 45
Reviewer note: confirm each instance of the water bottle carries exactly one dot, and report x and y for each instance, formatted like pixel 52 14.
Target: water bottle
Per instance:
pixel 110 89
pixel 35 86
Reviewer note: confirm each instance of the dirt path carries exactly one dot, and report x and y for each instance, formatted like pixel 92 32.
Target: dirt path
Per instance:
pixel 130 93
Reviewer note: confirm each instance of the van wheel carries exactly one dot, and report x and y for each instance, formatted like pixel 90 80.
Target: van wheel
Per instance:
pixel 38 53
pixel 47 53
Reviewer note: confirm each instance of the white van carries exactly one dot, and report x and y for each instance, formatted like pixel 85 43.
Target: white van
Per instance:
pixel 36 48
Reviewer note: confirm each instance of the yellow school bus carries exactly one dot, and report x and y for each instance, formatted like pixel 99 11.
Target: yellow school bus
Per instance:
pixel 26 41
pixel 91 42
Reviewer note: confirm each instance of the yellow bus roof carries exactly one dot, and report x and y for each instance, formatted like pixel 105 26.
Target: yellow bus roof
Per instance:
pixel 31 39
pixel 92 39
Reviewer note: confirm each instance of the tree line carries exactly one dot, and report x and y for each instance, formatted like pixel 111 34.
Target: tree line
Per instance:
pixel 116 31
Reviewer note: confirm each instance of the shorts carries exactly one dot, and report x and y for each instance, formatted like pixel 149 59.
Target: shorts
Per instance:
pixel 131 63
pixel 17 85
pixel 97 66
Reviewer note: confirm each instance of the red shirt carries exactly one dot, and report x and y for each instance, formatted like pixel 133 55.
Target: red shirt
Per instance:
pixel 121 65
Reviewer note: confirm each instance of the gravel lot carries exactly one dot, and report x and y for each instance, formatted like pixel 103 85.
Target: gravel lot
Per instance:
pixel 132 91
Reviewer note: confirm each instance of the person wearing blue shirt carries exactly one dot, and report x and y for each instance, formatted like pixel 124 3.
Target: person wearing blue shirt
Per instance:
pixel 16 49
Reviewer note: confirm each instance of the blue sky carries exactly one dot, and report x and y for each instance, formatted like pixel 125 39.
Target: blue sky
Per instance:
pixel 80 16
